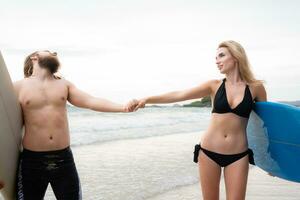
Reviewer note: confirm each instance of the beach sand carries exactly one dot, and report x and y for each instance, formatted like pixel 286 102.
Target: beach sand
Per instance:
pixel 158 168
pixel 137 169
pixel 260 187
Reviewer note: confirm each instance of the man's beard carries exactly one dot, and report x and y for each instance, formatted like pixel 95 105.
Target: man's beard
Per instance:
pixel 49 62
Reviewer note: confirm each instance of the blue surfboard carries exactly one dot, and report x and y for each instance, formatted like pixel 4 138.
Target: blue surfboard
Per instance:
pixel 273 133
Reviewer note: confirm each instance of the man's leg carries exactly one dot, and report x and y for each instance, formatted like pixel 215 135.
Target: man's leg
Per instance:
pixel 65 183
pixel 31 182
pixel 64 178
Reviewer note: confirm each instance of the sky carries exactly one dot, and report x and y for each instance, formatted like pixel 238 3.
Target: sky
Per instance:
pixel 127 49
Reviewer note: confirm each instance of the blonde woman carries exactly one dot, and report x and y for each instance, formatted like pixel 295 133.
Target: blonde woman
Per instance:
pixel 224 144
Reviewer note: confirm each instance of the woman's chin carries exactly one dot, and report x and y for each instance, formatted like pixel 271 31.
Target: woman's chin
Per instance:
pixel 222 71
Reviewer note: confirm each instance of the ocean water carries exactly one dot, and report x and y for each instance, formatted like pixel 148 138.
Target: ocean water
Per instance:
pixel 88 127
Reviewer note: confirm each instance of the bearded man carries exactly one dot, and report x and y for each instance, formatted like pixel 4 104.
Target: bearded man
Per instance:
pixel 47 156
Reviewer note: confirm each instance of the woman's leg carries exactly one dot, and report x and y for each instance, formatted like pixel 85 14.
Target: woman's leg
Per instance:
pixel 210 173
pixel 236 175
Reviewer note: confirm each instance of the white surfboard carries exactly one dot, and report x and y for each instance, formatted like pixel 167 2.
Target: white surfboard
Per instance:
pixel 11 126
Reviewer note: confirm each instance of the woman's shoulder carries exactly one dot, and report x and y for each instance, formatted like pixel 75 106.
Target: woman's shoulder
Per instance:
pixel 213 84
pixel 258 90
pixel 258 85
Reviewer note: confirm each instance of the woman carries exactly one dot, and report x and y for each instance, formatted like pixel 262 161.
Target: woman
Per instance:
pixel 224 144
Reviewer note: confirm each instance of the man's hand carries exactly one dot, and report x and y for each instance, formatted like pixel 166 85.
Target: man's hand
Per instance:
pixel 131 106
pixel 1 184
pixel 141 104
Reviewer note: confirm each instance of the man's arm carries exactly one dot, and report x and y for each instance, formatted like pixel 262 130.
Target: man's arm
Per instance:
pixel 83 100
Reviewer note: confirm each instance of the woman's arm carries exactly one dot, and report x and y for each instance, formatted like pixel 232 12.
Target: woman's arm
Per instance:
pixel 261 94
pixel 200 91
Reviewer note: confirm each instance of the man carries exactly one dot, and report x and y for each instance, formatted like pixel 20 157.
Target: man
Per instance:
pixel 47 157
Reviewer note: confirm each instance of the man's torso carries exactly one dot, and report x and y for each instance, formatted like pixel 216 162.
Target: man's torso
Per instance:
pixel 43 104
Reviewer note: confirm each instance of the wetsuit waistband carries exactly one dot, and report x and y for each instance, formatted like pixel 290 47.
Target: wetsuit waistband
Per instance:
pixel 38 154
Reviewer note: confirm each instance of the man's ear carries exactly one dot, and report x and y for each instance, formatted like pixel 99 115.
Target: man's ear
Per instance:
pixel 34 57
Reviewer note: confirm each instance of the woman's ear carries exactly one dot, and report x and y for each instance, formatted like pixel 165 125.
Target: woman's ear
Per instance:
pixel 236 63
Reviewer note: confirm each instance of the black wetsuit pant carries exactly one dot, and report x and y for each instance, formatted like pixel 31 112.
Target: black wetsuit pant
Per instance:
pixel 38 169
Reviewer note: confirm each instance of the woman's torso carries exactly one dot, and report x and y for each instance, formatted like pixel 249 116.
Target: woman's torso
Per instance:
pixel 226 132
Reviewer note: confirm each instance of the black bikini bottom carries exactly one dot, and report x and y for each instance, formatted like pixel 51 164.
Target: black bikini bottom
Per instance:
pixel 223 160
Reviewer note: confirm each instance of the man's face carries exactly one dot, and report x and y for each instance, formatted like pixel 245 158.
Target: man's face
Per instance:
pixel 48 60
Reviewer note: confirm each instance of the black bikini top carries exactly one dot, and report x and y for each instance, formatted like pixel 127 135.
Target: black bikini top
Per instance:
pixel 221 104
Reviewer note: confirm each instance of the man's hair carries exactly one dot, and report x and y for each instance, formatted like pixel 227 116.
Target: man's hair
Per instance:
pixel 28 65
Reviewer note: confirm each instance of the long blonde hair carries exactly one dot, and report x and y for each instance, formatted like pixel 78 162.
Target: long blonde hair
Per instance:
pixel 239 53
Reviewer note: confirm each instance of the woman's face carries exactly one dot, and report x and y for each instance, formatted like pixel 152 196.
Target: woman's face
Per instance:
pixel 224 60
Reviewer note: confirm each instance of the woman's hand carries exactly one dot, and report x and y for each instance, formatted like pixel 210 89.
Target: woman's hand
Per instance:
pixel 131 106
pixel 141 104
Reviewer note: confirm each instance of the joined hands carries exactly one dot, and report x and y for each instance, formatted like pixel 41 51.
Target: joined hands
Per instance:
pixel 134 105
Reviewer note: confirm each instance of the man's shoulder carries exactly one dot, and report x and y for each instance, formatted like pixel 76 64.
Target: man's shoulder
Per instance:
pixel 64 81
pixel 21 82
pixel 18 83
pixel 30 81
